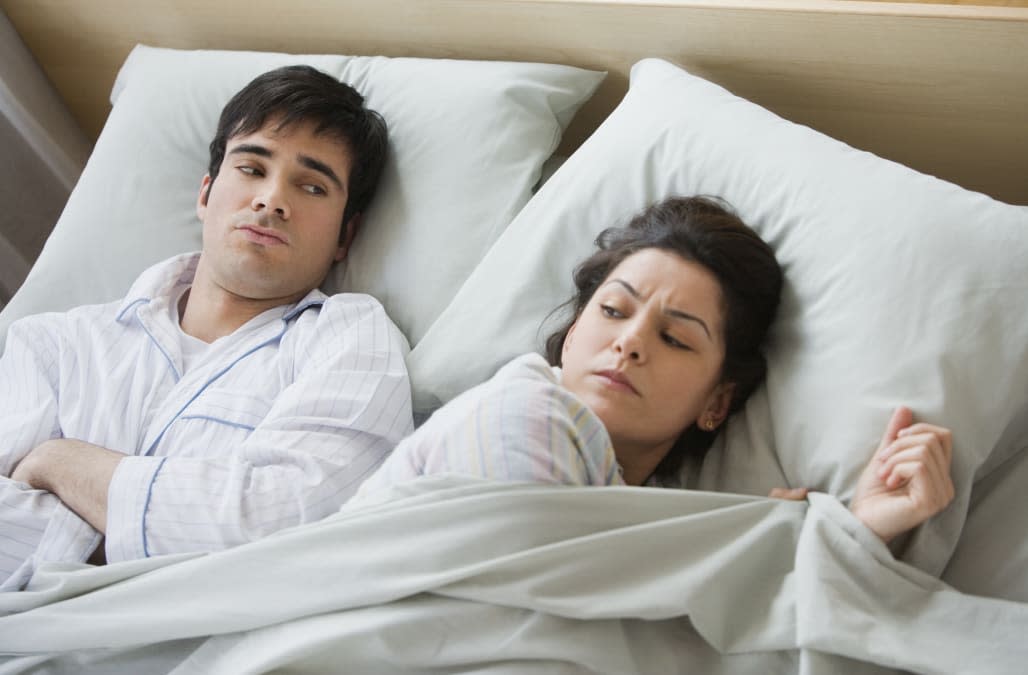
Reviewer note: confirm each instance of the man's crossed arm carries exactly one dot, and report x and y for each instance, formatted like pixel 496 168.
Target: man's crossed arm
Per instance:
pixel 78 473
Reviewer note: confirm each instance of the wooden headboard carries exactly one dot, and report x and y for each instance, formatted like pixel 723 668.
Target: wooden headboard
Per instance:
pixel 940 87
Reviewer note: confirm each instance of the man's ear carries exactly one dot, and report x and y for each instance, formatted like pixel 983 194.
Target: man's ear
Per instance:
pixel 351 232
pixel 205 193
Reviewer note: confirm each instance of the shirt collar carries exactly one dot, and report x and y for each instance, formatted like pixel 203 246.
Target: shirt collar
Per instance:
pixel 168 278
pixel 161 281
pixel 313 299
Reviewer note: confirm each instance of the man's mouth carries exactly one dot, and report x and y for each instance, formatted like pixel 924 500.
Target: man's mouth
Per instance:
pixel 263 235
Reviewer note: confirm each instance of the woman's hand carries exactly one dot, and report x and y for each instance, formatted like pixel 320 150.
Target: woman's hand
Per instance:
pixel 791 494
pixel 907 480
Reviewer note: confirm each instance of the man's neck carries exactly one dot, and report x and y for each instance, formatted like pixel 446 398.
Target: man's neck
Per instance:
pixel 208 312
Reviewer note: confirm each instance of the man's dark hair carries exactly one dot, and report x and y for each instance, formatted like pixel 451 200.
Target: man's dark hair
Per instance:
pixel 302 94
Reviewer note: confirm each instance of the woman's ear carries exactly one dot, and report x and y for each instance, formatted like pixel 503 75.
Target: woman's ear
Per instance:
pixel 718 404
pixel 567 340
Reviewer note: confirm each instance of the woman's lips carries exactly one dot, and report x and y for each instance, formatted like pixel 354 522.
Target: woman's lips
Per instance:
pixel 617 380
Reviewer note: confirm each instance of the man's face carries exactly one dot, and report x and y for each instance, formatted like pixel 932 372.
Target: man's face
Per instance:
pixel 272 219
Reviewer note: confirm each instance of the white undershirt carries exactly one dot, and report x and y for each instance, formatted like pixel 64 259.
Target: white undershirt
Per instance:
pixel 193 348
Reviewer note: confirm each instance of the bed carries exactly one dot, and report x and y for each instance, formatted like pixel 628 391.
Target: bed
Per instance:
pixel 882 150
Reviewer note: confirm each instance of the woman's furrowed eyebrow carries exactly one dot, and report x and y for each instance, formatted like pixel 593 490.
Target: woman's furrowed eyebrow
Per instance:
pixel 675 313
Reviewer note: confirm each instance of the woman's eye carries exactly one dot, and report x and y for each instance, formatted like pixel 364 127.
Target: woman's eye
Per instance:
pixel 314 189
pixel 677 344
pixel 250 170
pixel 610 312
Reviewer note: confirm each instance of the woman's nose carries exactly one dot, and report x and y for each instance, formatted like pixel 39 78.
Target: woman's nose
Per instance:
pixel 631 345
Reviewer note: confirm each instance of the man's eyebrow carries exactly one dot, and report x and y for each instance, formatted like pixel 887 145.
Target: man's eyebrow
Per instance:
pixel 676 313
pixel 250 149
pixel 320 167
pixel 306 160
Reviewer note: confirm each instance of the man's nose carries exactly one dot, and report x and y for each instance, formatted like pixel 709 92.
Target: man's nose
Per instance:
pixel 272 198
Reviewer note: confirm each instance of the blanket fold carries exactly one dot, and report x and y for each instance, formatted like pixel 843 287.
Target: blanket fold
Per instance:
pixel 453 574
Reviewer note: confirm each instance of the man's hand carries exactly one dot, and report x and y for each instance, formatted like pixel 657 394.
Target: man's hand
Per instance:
pixel 907 480
pixel 78 473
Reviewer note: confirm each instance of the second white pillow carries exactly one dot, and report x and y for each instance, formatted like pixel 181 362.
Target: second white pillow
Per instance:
pixel 900 289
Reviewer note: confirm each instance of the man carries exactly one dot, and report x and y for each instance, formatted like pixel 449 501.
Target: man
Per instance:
pixel 224 397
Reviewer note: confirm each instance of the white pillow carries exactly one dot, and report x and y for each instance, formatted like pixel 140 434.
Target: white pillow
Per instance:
pixel 468 140
pixel 900 289
pixel 992 556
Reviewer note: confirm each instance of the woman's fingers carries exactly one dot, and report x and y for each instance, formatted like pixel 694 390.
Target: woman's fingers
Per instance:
pixel 924 469
pixel 908 479
pixel 944 436
pixel 926 449
pixel 794 494
pixel 928 488
pixel 902 417
pixel 936 441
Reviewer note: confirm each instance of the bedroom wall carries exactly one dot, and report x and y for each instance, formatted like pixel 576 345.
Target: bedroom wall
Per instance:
pixel 32 202
pixel 43 154
pixel 939 87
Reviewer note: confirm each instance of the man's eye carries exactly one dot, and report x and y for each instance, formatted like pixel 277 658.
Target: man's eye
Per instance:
pixel 314 189
pixel 250 170
pixel 609 311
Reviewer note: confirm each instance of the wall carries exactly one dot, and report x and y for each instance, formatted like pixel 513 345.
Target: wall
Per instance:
pixel 43 154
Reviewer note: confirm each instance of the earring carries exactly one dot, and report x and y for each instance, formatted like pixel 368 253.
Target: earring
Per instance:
pixel 710 423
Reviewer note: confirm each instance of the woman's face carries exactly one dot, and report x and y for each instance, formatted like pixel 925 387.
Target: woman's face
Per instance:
pixel 646 353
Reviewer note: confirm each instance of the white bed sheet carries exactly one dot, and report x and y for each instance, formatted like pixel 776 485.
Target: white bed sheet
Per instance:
pixel 459 574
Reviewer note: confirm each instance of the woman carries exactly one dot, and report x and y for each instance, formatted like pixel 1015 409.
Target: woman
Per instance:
pixel 664 343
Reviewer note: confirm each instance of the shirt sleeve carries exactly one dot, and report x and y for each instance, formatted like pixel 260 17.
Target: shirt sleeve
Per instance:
pixel 347 407
pixel 34 524
pixel 521 425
